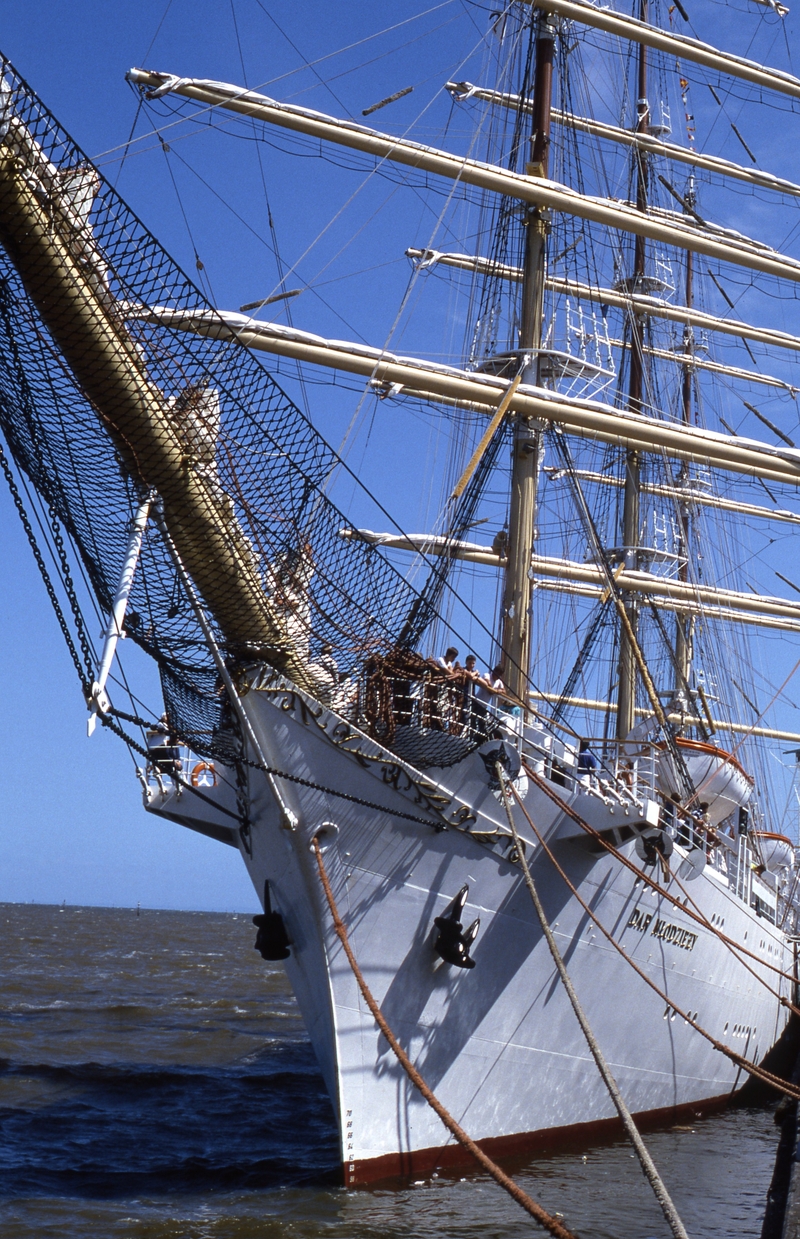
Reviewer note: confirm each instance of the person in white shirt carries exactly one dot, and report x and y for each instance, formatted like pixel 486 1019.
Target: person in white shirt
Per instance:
pixel 488 686
pixel 473 710
pixel 447 661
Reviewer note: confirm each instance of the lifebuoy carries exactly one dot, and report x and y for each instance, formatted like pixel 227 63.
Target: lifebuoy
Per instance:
pixel 199 770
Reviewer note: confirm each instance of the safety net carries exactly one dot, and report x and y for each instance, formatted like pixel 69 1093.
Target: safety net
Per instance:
pixel 105 397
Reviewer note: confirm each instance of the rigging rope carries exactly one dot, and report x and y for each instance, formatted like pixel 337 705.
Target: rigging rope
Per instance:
pixel 86 684
pixel 695 916
pixel 615 594
pixel 595 627
pixel 645 1160
pixel 550 1223
pixel 745 1063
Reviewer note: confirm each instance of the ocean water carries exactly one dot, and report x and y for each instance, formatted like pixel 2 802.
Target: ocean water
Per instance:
pixel 156 1082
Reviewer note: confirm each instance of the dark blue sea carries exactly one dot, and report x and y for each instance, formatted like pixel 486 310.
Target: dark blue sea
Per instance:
pixel 156 1081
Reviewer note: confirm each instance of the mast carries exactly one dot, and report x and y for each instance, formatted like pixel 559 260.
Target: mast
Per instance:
pixel 685 623
pixel 630 511
pixel 527 449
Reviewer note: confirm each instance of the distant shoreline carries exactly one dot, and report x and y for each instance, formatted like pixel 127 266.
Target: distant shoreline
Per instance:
pixel 141 908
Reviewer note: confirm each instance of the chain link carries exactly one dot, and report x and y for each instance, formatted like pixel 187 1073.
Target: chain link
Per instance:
pixel 86 684
pixel 69 586
pixel 256 765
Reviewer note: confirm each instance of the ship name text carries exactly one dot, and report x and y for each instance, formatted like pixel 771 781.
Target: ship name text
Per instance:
pixel 667 932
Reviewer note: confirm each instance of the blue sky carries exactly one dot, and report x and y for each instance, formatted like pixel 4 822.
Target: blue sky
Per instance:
pixel 71 822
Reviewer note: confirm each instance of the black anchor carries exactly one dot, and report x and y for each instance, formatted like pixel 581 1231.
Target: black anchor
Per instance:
pixel 452 940
pixel 272 940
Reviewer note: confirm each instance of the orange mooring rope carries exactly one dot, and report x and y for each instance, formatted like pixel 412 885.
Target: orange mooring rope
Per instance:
pixel 736 948
pixel 745 1063
pixel 516 1193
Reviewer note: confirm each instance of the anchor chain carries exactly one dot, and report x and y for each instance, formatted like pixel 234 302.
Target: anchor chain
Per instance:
pixel 86 683
pixel 69 587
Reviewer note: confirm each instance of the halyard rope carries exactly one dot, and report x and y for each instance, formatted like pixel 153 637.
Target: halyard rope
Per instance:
pixel 695 916
pixel 645 1160
pixel 551 1224
pixel 750 1067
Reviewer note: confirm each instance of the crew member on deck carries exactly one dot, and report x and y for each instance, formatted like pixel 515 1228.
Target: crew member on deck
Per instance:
pixel 163 753
pixel 473 710
pixel 447 661
pixel 489 685
pixel 587 762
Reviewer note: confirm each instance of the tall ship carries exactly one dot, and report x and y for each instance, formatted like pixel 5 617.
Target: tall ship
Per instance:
pixel 566 682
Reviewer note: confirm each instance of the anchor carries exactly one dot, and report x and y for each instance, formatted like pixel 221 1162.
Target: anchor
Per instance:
pixel 272 940
pixel 453 941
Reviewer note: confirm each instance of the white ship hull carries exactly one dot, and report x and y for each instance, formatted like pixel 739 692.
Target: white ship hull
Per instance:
pixel 156 404
pixel 498 1044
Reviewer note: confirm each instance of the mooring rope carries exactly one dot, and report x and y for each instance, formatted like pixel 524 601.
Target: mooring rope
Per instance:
pixel 550 1223
pixel 746 1064
pixel 645 1160
pixel 734 947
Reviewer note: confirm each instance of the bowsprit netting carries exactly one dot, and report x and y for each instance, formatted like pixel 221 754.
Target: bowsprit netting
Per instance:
pixel 102 403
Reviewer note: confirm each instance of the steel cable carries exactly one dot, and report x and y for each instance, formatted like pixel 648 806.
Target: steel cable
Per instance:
pixel 550 1223
pixel 645 1160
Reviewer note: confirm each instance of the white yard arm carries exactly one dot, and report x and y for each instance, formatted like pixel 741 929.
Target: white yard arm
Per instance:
pixel 687 495
pixel 667 227
pixel 628 137
pixel 634 303
pixel 586 418
pixel 569 572
pixel 719 724
pixel 678 45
